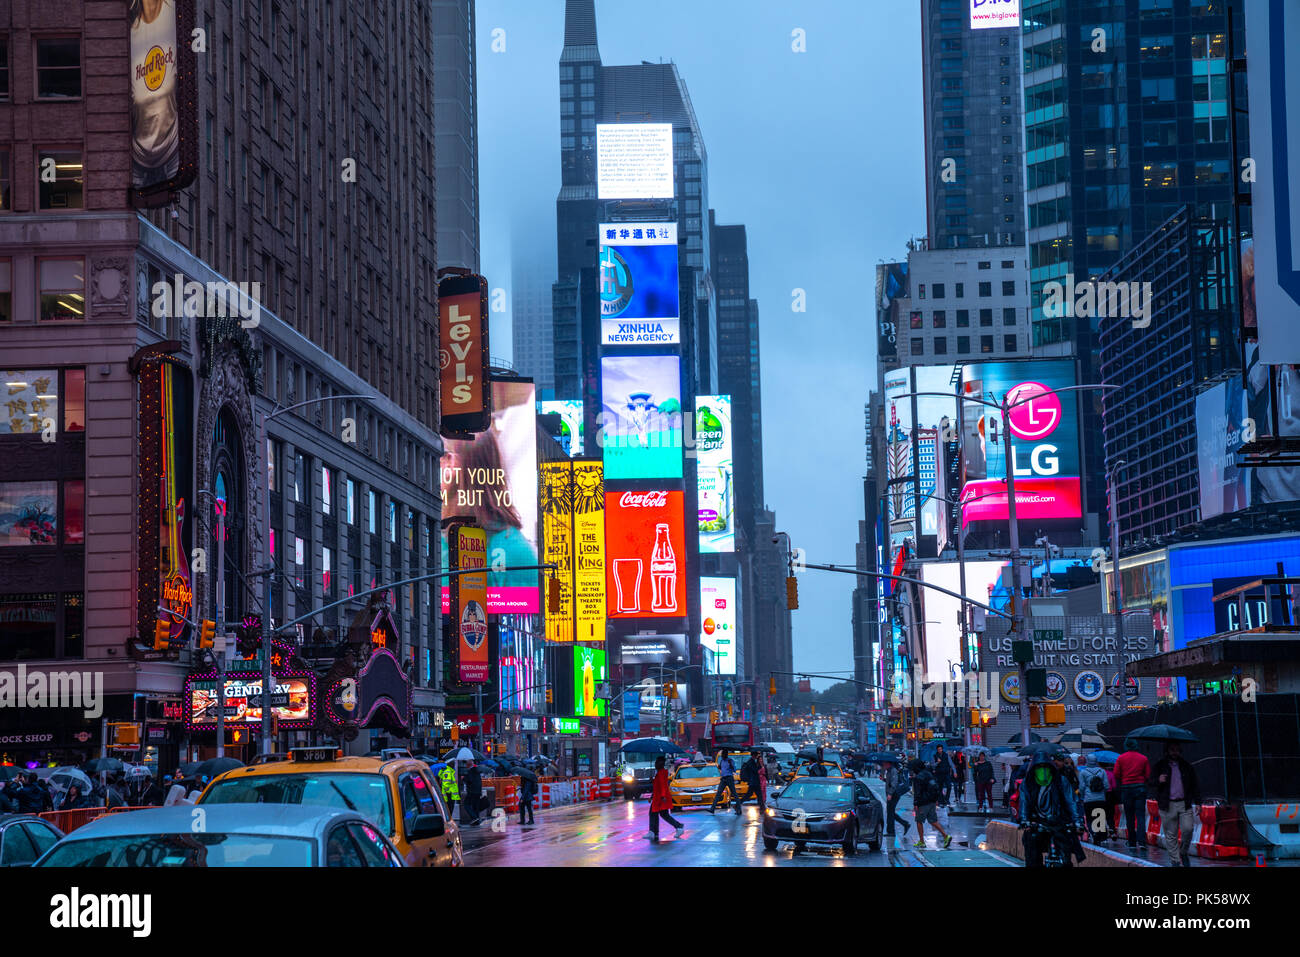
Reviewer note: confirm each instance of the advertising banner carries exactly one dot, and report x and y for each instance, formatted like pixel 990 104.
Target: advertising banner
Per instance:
pixel 469 602
pixel 557 542
pixel 915 442
pixel 570 413
pixel 1272 269
pixel 715 475
pixel 990 14
pixel 491 481
pixel 638 284
pixel 634 160
pixel 632 713
pixel 641 417
pixel 718 622
pixel 164 121
pixel 589 550
pixel 290 702
pixel 1044 442
pixel 891 285
pixel 463 381
pixel 943 632
pixel 588 671
pixel 652 650
pixel 646 549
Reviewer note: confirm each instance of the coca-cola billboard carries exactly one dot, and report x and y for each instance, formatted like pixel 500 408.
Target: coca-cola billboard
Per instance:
pixel 645 549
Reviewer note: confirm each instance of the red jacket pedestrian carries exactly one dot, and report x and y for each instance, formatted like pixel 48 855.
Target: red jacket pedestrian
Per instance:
pixel 659 797
pixel 1132 767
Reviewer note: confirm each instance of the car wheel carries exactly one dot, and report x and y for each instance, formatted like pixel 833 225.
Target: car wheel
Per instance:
pixel 769 843
pixel 850 844
pixel 874 843
pixel 800 846
pixel 629 795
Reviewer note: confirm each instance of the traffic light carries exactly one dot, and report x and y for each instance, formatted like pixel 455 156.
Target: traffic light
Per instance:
pixel 814 709
pixel 162 634
pixel 670 690
pixel 713 717
pixel 730 712
pixel 692 714
pixel 771 685
pixel 791 593
pixel 552 596
pixel 207 632
pixel 550 697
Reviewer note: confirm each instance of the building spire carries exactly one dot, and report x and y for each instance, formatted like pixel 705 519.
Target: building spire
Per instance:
pixel 580 30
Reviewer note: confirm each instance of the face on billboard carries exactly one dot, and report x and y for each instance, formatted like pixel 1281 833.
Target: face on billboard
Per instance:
pixel 718 622
pixel 989 14
pixel 715 475
pixel 570 413
pixel 588 671
pixel 634 160
pixel 491 480
pixel 1044 441
pixel 943 612
pixel 645 548
pixel 638 284
pixel 641 418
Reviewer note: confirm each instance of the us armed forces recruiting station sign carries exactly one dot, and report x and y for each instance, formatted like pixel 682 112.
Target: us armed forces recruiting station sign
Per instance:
pixel 468 549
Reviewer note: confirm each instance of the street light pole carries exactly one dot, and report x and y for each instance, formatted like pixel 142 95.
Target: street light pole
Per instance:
pixel 1017 600
pixel 1117 591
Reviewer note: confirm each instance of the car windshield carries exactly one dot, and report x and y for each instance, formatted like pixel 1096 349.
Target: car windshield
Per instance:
pixel 366 794
pixel 207 849
pixel 818 791
pixel 708 771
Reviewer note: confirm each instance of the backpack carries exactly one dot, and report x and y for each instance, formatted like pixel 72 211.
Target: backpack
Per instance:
pixel 902 784
pixel 927 789
pixel 1097 783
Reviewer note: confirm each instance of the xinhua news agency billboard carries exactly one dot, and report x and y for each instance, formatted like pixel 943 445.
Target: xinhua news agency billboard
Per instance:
pixel 638 284
pixel 491 480
pixel 1044 441
pixel 645 554
pixel 715 474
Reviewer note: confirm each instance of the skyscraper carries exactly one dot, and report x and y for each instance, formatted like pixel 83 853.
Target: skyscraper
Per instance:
pixel 455 123
pixel 531 325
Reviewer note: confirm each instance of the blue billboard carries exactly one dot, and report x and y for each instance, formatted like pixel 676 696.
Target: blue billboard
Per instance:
pixel 639 284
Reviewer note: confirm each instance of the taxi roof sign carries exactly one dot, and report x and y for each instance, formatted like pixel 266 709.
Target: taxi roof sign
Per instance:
pixel 313 754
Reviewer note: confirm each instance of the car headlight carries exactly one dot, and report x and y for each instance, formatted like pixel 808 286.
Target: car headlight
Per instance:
pixel 771 812
pixel 839 817
pixel 628 777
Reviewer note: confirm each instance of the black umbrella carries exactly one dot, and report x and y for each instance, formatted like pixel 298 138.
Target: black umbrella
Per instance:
pixel 1043 748
pixel 525 772
pixel 214 766
pixel 654 746
pixel 8 772
pixel 105 765
pixel 885 756
pixel 1162 732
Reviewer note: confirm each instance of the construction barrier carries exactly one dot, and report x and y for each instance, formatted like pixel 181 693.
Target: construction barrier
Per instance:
pixel 606 789
pixel 1218 832
pixel 73 818
pixel 1153 822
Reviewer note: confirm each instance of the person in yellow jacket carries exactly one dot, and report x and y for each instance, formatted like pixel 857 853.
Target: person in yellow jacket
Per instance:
pixel 450 788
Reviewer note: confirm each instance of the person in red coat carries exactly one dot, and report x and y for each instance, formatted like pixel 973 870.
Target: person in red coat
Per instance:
pixel 661 803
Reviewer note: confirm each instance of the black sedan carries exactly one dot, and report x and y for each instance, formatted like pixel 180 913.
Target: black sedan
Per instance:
pixel 838 811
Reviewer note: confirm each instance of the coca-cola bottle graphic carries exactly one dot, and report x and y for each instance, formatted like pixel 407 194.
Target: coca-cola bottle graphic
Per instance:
pixel 663 572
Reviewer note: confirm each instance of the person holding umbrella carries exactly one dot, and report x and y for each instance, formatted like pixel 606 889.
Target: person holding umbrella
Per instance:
pixel 473 793
pixel 982 773
pixel 943 773
pixel 1132 772
pixel 661 803
pixel 527 790
pixel 1176 792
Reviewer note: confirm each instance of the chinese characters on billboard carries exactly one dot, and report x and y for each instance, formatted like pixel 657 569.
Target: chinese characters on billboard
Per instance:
pixel 646 554
pixel 641 420
pixel 715 474
pixel 491 480
pixel 718 622
pixel 638 284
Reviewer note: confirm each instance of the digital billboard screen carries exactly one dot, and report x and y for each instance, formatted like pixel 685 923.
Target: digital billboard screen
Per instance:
pixel 718 622
pixel 638 284
pixel 570 413
pixel 588 671
pixel 641 417
pixel 915 451
pixel 634 160
pixel 715 474
pixel 943 638
pixel 991 14
pixel 491 480
pixel 557 542
pixel 645 547
pixel 1044 441
pixel 589 605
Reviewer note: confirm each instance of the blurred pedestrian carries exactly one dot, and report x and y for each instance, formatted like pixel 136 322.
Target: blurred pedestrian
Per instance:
pixel 773 768
pixel 473 781
pixel 143 792
pixel 726 781
pixel 959 776
pixel 751 772
pixel 115 792
pixel 982 774
pixel 661 803
pixel 896 785
pixel 450 787
pixel 1092 791
pixel 527 789
pixel 926 794
pixel 1176 792
pixel 943 773
pixel 74 799
pixel 1132 772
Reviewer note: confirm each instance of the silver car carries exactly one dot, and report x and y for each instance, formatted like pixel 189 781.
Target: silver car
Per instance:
pixel 226 835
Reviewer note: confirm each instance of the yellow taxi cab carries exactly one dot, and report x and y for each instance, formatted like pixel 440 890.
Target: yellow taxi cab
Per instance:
pixel 396 792
pixel 833 770
pixel 694 785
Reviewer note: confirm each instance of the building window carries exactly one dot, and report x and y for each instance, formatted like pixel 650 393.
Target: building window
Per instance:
pixel 62 288
pixel 922 289
pixel 961 290
pixel 963 318
pixel 4 68
pixel 940 318
pixel 985 264
pixel 29 513
pixel 1008 315
pixel 1008 264
pixel 6 199
pixel 963 345
pixel 326 489
pixel 938 290
pixel 941 346
pixel 986 343
pixel 74 512
pixel 1008 343
pixel 6 290
pixel 60 179
pixel 350 515
pixel 58 68
pixel 986 289
pixel 392 521
pixel 918 345
pixel 916 321
pixel 1008 287
pixel 373 515
pixel 986 317
pixel 74 400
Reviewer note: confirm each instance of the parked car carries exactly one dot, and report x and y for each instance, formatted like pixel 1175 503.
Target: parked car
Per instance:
pixel 831 810
pixel 24 838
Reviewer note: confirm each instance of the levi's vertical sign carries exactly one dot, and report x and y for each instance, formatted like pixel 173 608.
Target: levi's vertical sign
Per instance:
pixel 464 389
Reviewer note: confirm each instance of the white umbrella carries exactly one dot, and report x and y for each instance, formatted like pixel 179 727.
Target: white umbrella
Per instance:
pixel 1009 757
pixel 464 754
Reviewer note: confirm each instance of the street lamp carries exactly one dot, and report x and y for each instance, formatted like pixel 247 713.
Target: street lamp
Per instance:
pixel 1112 490
pixel 267 680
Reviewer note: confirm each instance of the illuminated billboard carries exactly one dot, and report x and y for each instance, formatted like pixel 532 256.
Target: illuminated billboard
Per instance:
pixel 943 612
pixel 1044 441
pixel 634 161
pixel 715 474
pixel 491 480
pixel 573 538
pixel 645 545
pixel 990 14
pixel 556 490
pixel 463 355
pixel 468 601
pixel 638 284
pixel 919 427
pixel 641 417
pixel 588 671
pixel 164 120
pixel 570 413
pixel 718 622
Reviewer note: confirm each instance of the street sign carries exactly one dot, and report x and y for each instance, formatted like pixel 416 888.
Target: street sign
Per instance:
pixel 279 699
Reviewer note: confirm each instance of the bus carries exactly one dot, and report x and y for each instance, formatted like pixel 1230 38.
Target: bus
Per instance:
pixel 731 735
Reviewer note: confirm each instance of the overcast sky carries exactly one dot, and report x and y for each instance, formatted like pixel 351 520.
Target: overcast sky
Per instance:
pixel 817 153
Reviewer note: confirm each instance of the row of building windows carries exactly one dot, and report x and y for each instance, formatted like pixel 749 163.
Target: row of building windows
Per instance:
pixel 939 290
pixel 963 345
pixel 60 284
pixel 939 318
pixel 56 68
